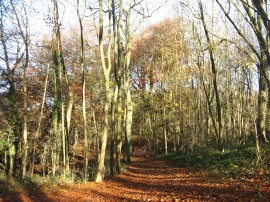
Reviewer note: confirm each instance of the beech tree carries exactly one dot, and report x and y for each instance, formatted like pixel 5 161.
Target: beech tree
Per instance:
pixel 117 116
pixel 106 67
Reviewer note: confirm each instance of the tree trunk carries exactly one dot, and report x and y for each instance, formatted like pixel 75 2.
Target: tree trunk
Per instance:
pixel 118 60
pixel 37 133
pixel 119 134
pixel 128 101
pixel 56 110
pixel 128 125
pixel 106 72
pixel 164 123
pixel 63 140
pixel 114 129
pixel 100 171
pixel 214 74
pixel 262 105
pixel 82 57
pixel 14 133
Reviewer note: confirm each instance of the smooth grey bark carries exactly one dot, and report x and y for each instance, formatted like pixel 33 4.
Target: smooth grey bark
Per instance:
pixel 116 139
pixel 106 73
pixel 128 100
pixel 262 102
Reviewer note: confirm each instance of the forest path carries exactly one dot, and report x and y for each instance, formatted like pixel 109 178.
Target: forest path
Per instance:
pixel 156 180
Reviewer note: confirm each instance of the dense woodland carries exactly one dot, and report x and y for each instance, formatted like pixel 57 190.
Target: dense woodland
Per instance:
pixel 77 101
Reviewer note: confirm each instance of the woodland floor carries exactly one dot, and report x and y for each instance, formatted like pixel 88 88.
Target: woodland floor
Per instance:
pixel 153 180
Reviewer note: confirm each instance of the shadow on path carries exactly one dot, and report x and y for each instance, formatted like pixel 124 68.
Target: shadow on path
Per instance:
pixel 157 180
pixel 148 180
pixel 23 190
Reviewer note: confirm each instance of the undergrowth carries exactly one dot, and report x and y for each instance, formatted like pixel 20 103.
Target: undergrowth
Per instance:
pixel 236 161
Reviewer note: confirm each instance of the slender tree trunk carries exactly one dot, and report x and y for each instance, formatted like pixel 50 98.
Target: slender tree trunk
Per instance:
pixel 63 139
pixel 25 117
pixel 128 101
pixel 164 123
pixel 119 134
pixel 76 138
pixel 14 135
pixel 118 60
pixel 262 105
pixel 82 57
pixel 62 69
pixel 214 74
pixel 56 113
pixel 106 71
pixel 128 126
pixel 268 114
pixel 114 130
pixel 100 171
pixel 67 127
pixel 96 132
pixel 25 128
pixel 57 108
pixel 37 134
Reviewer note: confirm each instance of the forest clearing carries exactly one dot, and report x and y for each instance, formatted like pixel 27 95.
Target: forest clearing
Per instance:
pixel 134 100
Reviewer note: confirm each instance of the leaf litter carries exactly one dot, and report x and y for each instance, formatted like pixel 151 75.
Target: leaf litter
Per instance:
pixel 155 180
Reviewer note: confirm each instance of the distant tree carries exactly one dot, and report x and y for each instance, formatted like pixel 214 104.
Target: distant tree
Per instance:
pixel 158 69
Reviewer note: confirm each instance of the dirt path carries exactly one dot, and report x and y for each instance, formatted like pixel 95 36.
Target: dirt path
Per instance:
pixel 156 180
